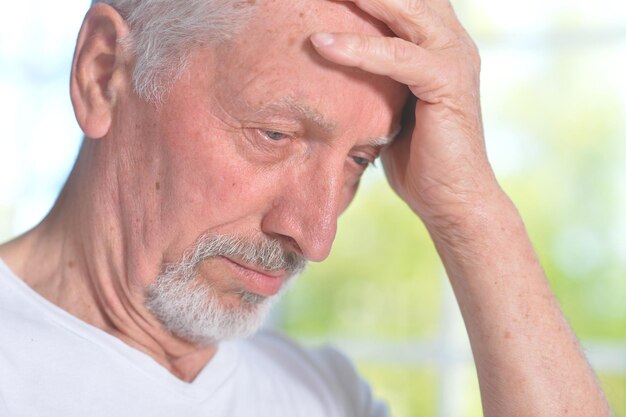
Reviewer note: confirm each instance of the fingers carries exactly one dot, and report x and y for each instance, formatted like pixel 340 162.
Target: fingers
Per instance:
pixel 396 58
pixel 414 20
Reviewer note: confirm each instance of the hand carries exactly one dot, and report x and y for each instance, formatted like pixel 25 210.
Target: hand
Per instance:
pixel 438 165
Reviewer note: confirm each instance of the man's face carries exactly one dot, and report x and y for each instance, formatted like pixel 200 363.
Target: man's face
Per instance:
pixel 261 139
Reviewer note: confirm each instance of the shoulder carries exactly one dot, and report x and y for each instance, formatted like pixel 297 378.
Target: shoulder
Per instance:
pixel 325 360
pixel 329 362
pixel 335 370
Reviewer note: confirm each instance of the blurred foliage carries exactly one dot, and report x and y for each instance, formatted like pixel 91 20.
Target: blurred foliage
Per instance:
pixel 569 197
pixel 410 391
pixel 615 389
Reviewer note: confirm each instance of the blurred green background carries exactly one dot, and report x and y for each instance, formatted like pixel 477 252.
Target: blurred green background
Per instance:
pixel 554 101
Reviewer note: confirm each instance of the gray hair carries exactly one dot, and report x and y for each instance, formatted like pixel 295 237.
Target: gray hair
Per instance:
pixel 163 34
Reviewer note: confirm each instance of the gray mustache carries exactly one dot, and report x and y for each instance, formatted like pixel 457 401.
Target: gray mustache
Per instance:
pixel 265 253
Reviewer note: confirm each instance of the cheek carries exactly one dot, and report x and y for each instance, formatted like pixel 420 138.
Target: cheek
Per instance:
pixel 207 182
pixel 213 188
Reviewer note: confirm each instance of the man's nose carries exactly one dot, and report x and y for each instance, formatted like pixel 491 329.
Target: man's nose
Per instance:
pixel 306 210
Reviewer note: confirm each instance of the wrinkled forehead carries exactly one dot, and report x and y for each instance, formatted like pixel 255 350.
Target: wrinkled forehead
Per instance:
pixel 272 59
pixel 307 16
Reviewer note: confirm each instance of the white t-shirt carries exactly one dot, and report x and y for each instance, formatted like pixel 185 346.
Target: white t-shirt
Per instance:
pixel 54 364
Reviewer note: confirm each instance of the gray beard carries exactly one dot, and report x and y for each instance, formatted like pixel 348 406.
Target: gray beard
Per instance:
pixel 190 309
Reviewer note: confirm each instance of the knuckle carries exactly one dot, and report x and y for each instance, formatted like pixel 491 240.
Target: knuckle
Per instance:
pixel 401 53
pixel 472 53
pixel 367 48
pixel 476 61
pixel 358 47
pixel 441 80
pixel 416 10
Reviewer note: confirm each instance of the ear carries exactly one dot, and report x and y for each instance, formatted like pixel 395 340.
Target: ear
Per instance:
pixel 100 69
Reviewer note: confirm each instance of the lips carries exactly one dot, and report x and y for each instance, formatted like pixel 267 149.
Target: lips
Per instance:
pixel 255 279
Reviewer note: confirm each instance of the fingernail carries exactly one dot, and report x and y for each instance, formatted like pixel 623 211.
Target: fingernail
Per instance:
pixel 322 39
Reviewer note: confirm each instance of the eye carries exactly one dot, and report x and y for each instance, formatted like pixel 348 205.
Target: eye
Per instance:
pixel 363 162
pixel 273 135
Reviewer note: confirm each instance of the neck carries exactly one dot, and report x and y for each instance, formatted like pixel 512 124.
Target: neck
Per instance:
pixel 82 258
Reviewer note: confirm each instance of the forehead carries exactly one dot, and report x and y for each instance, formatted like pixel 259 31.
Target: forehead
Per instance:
pixel 315 15
pixel 280 30
pixel 272 63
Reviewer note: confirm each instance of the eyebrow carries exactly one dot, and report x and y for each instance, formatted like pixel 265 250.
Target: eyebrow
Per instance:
pixel 383 141
pixel 291 104
pixel 311 115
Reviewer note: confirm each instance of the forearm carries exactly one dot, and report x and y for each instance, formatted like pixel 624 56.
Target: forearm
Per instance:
pixel 528 360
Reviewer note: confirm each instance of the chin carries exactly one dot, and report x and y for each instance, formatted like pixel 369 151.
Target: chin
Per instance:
pixel 201 316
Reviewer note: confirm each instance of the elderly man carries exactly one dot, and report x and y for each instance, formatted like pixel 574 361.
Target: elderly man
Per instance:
pixel 223 139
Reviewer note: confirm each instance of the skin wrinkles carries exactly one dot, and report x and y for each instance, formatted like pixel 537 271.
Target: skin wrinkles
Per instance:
pixel 296 117
pixel 293 118
pixel 296 110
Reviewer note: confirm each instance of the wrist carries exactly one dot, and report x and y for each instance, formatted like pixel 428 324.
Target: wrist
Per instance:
pixel 486 220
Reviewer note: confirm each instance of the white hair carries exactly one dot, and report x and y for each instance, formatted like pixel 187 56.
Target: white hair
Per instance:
pixel 164 32
pixel 189 307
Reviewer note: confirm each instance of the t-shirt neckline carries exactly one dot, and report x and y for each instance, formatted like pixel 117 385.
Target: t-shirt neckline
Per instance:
pixel 214 374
